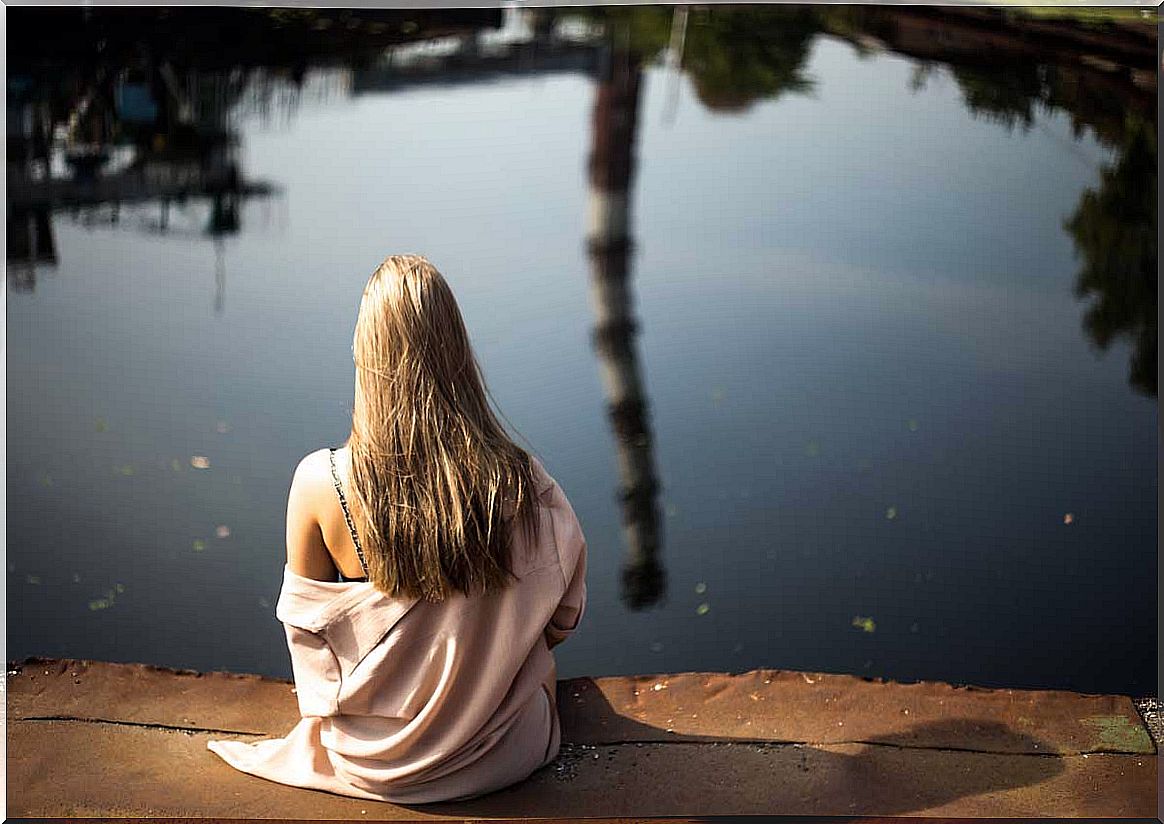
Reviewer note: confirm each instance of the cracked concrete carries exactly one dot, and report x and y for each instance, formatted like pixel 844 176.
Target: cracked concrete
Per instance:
pixel 91 738
pixel 173 727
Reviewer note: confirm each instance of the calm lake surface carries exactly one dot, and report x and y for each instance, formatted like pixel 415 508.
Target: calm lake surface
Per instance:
pixel 886 436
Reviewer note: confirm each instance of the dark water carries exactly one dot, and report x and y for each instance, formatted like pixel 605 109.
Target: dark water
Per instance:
pixel 892 370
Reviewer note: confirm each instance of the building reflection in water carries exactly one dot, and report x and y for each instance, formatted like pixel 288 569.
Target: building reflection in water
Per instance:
pixel 105 138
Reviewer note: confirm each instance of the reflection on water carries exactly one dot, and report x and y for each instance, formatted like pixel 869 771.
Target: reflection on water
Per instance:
pixel 833 311
pixel 609 245
pixel 123 145
pixel 1114 228
pixel 734 59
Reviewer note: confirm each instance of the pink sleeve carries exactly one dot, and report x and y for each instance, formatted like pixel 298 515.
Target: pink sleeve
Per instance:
pixel 572 553
pixel 316 671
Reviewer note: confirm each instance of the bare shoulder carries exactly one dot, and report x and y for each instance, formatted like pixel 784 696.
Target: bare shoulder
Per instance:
pixel 313 468
pixel 311 481
pixel 307 552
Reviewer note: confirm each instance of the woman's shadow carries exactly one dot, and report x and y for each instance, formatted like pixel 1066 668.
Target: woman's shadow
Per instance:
pixel 919 768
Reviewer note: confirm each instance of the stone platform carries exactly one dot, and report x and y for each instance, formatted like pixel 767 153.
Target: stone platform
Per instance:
pixel 88 738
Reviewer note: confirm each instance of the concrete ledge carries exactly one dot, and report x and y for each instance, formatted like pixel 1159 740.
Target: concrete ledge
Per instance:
pixel 822 708
pixel 91 738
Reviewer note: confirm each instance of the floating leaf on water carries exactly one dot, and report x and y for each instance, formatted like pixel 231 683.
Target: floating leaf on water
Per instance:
pixel 912 424
pixel 738 648
pixel 32 579
pixel 101 425
pixel 891 513
pixel 76 578
pixel 703 609
pixel 672 510
pixel 1068 518
pixel 264 603
pixel 44 479
pixel 120 587
pixel 123 469
pixel 717 395
pixel 99 603
pixel 656 646
pixel 200 462
pixel 222 427
pixel 199 545
pixel 223 531
pixel 176 465
pixel 700 588
pixel 864 624
pixel 812 449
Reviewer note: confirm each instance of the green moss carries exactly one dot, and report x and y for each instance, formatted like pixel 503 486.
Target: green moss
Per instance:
pixel 1089 16
pixel 1117 733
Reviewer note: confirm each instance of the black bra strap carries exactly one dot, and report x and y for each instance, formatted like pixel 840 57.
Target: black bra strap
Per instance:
pixel 347 515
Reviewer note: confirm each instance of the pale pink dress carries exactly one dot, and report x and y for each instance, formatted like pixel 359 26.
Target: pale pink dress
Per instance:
pixel 411 701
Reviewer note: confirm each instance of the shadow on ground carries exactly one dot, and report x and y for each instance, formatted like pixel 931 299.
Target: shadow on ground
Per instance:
pixel 892 775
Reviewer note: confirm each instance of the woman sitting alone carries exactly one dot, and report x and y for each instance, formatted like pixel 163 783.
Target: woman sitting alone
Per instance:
pixel 432 565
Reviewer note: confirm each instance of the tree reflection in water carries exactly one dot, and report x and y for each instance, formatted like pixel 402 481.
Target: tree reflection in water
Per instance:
pixel 1114 229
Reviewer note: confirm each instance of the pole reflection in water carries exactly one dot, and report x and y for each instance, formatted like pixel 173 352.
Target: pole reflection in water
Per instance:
pixel 609 247
pixel 30 243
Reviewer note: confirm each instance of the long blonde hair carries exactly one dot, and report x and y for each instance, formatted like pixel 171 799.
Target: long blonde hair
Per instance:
pixel 435 476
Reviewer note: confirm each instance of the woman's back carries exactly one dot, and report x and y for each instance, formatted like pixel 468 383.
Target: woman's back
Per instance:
pixel 431 566
pixel 410 700
pixel 343 544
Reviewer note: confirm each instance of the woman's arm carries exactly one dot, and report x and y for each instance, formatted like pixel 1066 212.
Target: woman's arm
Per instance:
pixel 571 544
pixel 573 604
pixel 307 553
